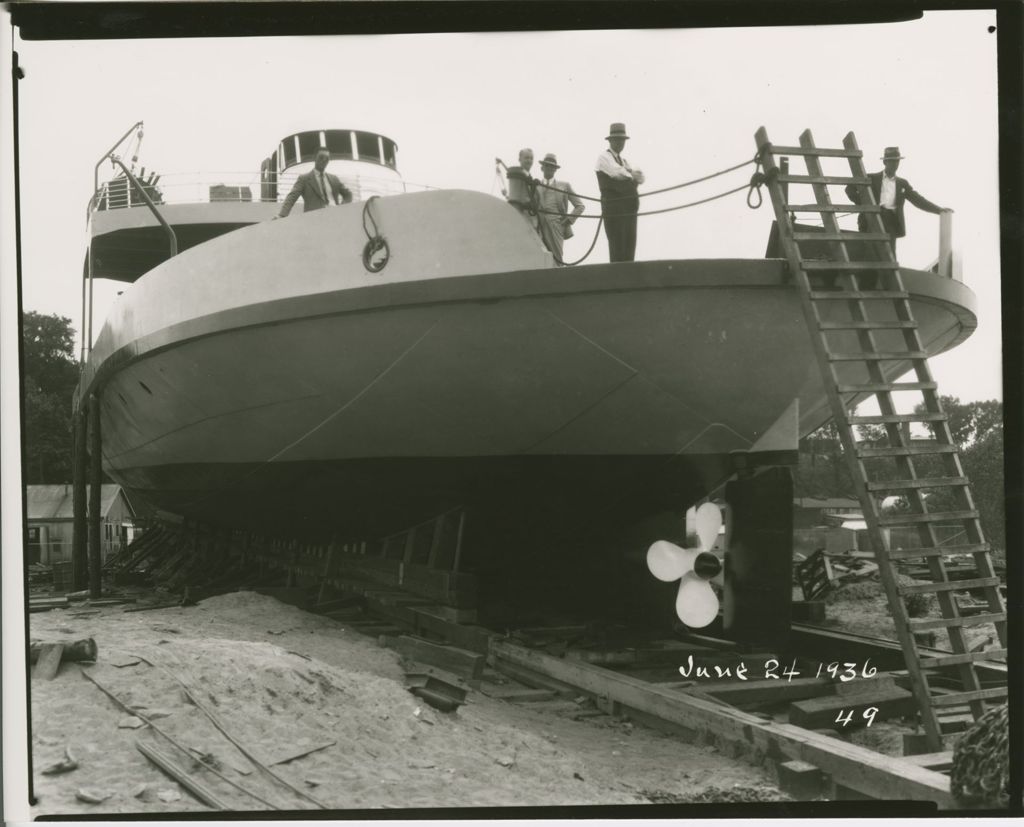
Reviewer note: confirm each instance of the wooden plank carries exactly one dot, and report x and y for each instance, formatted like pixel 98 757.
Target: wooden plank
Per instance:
pixel 966 697
pixel 918 625
pixel 768 691
pixel 825 264
pixel 932 760
pixel 858 295
pixel 857 324
pixel 941 551
pixel 168 767
pixel 967 657
pixel 451 658
pixel 468 636
pixel 816 713
pixel 892 387
pixel 923 482
pixel 841 236
pixel 816 151
pixel 49 661
pixel 824 179
pixel 877 356
pixel 931 517
pixel 857 767
pixel 829 208
pixel 950 585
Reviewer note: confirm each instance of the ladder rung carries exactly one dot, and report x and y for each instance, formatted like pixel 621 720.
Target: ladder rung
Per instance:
pixel 950 585
pixel 912 451
pixel 967 657
pixel 822 179
pixel 860 295
pixel 940 551
pixel 833 208
pixel 823 264
pixel 881 419
pixel 849 236
pixel 932 517
pixel 924 482
pixel 868 325
pixel 877 387
pixel 877 356
pixel 966 697
pixel 917 625
pixel 819 151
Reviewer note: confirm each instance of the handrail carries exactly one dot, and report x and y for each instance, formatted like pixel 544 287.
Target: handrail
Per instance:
pixel 171 237
pixel 96 170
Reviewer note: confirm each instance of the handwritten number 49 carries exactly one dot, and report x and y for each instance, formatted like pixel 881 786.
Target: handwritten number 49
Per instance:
pixel 868 715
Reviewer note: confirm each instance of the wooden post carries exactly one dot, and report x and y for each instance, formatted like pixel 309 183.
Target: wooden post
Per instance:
pixel 79 543
pixel 95 497
pixel 945 263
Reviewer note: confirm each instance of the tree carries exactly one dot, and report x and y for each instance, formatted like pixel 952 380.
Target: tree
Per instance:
pixel 983 464
pixel 49 377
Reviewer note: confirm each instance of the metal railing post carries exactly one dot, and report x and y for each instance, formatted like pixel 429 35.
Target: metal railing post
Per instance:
pixel 171 237
pixel 945 263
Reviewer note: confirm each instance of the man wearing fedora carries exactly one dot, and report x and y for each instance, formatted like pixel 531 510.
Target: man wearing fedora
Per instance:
pixel 620 202
pixel 890 194
pixel 554 198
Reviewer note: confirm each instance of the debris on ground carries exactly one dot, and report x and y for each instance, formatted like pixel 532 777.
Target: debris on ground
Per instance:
pixel 345 727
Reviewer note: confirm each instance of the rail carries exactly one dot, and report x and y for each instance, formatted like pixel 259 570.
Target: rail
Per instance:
pixel 236 187
pixel 141 190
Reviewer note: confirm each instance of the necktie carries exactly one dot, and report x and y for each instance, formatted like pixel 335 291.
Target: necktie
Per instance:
pixel 325 187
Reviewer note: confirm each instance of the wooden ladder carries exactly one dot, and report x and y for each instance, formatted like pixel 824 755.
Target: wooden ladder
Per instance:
pixel 879 308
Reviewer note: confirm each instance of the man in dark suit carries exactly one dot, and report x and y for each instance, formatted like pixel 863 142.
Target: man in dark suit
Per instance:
pixel 891 193
pixel 317 187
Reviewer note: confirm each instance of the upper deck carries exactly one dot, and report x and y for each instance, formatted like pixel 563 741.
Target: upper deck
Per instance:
pixel 128 240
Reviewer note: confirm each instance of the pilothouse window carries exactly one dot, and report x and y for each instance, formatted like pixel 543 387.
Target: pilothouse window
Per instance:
pixel 309 143
pixel 389 152
pixel 339 142
pixel 366 143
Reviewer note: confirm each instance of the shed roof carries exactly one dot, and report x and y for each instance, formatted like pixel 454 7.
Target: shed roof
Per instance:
pixel 56 502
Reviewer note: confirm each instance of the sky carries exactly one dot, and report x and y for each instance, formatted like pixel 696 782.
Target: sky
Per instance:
pixel 691 100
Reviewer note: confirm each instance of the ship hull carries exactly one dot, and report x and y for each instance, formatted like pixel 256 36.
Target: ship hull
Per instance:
pixel 266 380
pixel 355 421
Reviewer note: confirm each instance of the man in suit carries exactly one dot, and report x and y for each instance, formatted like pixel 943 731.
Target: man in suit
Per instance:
pixel 620 202
pixel 317 187
pixel 891 193
pixel 554 198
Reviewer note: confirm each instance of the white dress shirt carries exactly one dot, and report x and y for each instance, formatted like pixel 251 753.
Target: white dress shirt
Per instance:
pixel 887 197
pixel 615 166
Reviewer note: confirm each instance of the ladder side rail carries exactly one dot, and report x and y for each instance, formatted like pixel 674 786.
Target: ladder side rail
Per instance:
pixel 838 407
pixel 896 436
pixel 951 462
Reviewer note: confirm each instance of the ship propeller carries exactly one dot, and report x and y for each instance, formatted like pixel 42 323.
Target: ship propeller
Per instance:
pixel 694 567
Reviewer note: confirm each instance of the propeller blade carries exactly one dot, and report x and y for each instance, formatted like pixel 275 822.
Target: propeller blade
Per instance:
pixel 696 602
pixel 708 523
pixel 668 562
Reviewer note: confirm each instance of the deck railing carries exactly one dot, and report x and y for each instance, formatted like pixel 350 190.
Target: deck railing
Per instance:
pixel 240 187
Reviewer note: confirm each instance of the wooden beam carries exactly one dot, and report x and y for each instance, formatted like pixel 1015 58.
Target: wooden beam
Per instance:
pixel 48 661
pixel 95 498
pixel 80 540
pixel 457 661
pixel 861 769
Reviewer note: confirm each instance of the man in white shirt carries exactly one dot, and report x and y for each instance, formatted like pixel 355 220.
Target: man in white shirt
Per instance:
pixel 890 194
pixel 317 187
pixel 523 188
pixel 554 197
pixel 620 202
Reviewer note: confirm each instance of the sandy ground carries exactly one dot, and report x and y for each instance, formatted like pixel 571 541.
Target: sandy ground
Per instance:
pixel 279 679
